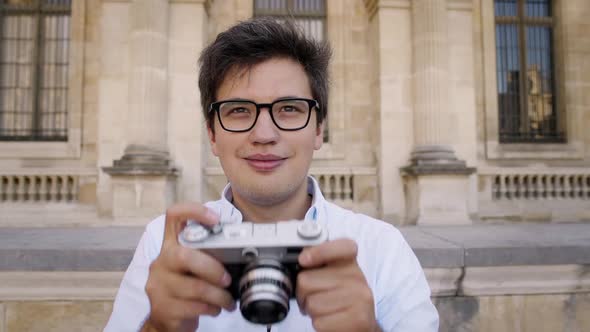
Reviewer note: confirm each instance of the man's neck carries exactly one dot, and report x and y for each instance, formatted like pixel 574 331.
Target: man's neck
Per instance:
pixel 293 208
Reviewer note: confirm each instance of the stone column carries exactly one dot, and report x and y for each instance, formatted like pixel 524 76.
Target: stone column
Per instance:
pixel 437 181
pixel 143 179
pixel 390 51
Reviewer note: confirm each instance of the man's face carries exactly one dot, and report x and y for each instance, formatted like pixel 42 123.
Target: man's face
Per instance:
pixel 266 165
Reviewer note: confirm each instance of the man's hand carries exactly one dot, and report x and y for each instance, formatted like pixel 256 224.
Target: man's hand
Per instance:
pixel 183 283
pixel 332 289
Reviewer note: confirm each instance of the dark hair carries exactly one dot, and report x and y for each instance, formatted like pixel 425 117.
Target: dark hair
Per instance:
pixel 253 41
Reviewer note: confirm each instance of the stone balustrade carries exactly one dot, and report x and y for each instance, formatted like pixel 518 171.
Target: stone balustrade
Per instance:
pixel 38 188
pixel 541 186
pixel 511 194
pixel 337 187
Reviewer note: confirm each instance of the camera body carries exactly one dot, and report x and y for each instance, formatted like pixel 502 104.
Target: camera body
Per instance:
pixel 262 260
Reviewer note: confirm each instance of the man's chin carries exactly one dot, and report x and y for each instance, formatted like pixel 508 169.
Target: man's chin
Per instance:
pixel 264 193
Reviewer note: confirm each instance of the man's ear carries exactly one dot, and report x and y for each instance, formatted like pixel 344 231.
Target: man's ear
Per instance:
pixel 212 141
pixel 319 135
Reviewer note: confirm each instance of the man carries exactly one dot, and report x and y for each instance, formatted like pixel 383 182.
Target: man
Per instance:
pixel 264 92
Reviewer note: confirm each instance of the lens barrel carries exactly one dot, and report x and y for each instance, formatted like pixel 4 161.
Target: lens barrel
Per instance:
pixel 265 288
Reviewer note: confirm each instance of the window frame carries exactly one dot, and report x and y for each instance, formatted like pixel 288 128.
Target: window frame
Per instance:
pixel 522 22
pixel 573 148
pixel 73 146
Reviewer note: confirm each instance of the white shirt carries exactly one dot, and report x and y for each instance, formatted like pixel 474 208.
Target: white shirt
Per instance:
pixel 400 291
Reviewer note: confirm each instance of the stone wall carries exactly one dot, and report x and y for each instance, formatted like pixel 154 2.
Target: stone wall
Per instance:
pixel 483 278
pixel 54 316
pixel 531 313
pixel 522 313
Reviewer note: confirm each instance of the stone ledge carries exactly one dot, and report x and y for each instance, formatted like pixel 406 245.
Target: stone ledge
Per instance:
pixel 111 248
pixel 510 245
pixel 62 286
pixel 474 281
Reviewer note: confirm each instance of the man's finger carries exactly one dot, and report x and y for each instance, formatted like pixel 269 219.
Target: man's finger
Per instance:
pixel 190 288
pixel 331 251
pixel 315 281
pixel 199 264
pixel 325 303
pixel 177 215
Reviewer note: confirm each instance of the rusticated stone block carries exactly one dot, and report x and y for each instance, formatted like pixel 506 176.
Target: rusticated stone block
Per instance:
pixel 530 313
pixel 2 318
pixel 57 316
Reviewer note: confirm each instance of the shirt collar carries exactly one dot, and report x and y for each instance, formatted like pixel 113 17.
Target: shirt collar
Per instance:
pixel 230 214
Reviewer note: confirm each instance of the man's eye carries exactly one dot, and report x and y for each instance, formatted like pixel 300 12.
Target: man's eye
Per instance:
pixel 290 109
pixel 239 110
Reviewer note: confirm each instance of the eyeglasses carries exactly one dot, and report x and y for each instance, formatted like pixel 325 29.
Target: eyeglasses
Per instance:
pixel 287 114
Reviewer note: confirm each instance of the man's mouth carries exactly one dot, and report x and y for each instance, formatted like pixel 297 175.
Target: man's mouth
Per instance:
pixel 264 162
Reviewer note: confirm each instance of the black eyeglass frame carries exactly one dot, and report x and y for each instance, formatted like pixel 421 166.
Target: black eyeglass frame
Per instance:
pixel 312 103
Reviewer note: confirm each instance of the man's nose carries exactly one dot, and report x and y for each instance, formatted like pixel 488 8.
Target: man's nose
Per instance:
pixel 264 131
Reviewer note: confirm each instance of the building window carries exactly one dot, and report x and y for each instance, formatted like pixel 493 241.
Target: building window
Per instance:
pixel 309 14
pixel 34 52
pixel 525 72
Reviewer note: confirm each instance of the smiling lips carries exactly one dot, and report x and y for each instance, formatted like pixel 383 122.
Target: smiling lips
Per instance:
pixel 264 162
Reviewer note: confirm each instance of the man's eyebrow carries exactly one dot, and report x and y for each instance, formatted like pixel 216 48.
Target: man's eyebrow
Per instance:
pixel 236 99
pixel 250 100
pixel 287 97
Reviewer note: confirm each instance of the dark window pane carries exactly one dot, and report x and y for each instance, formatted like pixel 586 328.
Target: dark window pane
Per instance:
pixel 538 8
pixel 505 8
pixel 508 67
pixel 309 14
pixel 541 113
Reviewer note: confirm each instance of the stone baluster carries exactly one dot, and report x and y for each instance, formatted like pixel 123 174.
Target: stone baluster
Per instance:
pixel 32 189
pixel 510 190
pixel 20 189
pixel 348 187
pixel 74 191
pixel 328 192
pixel 542 186
pixel 567 188
pixel 575 181
pixel 10 191
pixel 338 191
pixel 63 190
pixel 43 191
pixel 53 191
pixel 555 188
pixel 526 192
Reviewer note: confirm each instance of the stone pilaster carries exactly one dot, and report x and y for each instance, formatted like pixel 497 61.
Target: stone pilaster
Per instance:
pixel 143 179
pixel 437 181
pixel 390 51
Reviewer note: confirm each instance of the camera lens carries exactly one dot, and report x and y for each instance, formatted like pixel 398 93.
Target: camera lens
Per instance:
pixel 265 289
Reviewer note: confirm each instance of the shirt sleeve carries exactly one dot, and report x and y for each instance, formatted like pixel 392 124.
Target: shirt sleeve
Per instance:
pixel 402 294
pixel 132 305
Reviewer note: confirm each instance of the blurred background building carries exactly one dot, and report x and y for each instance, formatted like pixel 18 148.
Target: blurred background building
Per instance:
pixel 441 112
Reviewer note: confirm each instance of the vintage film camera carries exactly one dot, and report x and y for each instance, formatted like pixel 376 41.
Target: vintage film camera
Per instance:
pixel 261 259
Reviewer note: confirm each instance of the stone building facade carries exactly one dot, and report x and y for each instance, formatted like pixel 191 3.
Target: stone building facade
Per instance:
pixel 434 120
pixel 414 124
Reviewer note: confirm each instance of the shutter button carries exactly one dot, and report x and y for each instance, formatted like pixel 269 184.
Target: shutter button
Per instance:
pixel 309 230
pixel 195 233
